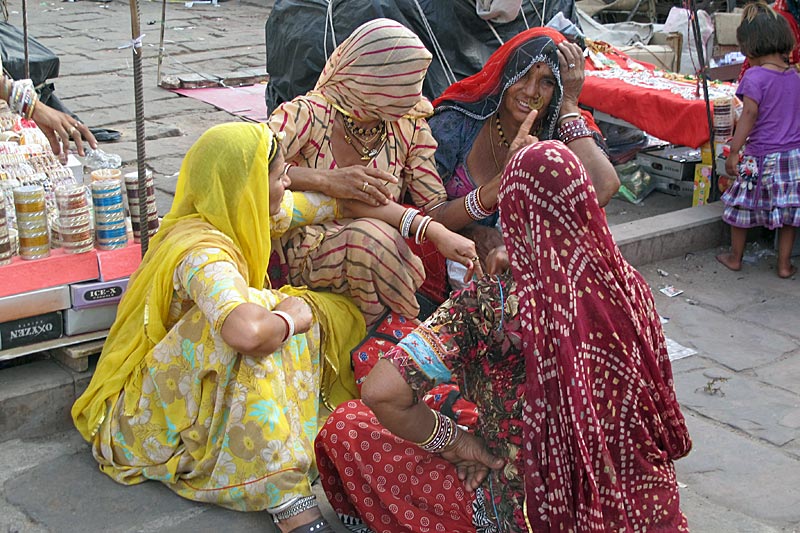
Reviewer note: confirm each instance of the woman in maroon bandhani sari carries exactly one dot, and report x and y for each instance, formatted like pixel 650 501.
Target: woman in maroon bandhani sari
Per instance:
pixel 566 360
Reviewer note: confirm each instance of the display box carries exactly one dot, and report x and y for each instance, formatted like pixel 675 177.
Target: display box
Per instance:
pixel 77 321
pixel 96 293
pixel 31 330
pixel 673 186
pixel 59 268
pixel 675 162
pixel 120 263
pixel 34 303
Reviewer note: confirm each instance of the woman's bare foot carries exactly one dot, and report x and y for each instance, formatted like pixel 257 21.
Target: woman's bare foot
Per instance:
pixel 306 517
pixel 786 271
pixel 730 261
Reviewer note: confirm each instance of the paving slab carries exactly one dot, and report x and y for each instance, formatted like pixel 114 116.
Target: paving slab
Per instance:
pixel 784 373
pixel 732 341
pixel 728 398
pixel 736 472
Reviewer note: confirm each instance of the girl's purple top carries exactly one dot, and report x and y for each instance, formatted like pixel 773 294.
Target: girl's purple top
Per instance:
pixel 777 128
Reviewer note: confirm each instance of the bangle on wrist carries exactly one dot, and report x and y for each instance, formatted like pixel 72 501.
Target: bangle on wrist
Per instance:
pixel 443 435
pixel 567 116
pixel 289 321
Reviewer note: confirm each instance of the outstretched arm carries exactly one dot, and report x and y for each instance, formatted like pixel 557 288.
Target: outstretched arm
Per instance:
pixel 58 127
pixel 451 245
pixel 395 405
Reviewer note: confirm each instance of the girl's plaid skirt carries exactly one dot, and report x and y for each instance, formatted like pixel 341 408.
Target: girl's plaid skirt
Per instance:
pixel 766 192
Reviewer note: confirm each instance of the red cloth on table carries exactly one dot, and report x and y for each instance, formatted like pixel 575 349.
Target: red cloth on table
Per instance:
pixel 660 113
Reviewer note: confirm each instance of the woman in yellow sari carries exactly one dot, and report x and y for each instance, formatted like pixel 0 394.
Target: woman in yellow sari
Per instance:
pixel 208 381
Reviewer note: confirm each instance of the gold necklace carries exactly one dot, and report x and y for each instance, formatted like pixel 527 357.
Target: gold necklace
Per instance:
pixel 365 152
pixel 500 131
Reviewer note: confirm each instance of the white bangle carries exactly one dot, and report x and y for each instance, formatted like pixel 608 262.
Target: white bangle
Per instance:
pixel 566 116
pixel 289 324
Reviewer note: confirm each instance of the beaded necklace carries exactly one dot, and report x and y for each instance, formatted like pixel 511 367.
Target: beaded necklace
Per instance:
pixel 363 133
pixel 500 132
pixel 364 138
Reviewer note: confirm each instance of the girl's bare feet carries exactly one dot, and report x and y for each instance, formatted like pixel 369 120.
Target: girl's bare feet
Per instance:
pixel 730 261
pixel 786 271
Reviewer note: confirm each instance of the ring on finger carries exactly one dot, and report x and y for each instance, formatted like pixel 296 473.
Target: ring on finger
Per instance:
pixel 72 131
pixel 571 66
pixel 364 187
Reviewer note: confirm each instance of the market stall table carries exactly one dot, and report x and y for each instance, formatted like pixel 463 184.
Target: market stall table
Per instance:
pixel 668 106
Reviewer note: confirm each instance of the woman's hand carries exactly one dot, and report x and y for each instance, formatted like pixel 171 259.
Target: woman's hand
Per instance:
pixel 523 137
pixel 456 248
pixel 60 128
pixel 497 260
pixel 571 63
pixel 365 184
pixel 300 312
pixel 471 459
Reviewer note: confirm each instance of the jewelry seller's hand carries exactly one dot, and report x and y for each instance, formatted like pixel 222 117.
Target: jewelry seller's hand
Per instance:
pixel 471 459
pixel 365 184
pixel 60 129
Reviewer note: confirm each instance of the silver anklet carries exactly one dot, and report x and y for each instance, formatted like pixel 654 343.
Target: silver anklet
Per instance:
pixel 296 507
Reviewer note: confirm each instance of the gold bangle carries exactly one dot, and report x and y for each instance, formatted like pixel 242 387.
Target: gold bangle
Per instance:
pixel 436 423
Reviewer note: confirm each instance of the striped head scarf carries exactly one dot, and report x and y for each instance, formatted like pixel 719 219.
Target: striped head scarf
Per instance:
pixel 601 419
pixel 377 73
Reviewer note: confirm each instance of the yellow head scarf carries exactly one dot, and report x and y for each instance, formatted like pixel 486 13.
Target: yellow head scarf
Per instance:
pixel 221 201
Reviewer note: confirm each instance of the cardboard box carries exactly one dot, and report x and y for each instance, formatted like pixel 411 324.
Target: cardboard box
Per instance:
pixel 675 162
pixel 77 321
pixel 660 55
pixel 34 303
pixel 725 25
pixel 702 185
pixel 96 293
pixel 673 186
pixel 30 330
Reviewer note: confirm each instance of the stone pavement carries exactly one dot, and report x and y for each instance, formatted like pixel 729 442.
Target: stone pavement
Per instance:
pixel 740 392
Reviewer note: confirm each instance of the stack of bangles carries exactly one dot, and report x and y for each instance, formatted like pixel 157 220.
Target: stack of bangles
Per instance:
pixel 572 130
pixel 21 96
pixel 443 435
pixel 475 208
pixel 289 324
pixel 408 219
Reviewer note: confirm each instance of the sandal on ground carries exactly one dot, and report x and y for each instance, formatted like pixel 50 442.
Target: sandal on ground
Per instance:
pixel 320 525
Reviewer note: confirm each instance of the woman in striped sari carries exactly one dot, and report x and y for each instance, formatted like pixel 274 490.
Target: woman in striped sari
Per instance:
pixel 361 137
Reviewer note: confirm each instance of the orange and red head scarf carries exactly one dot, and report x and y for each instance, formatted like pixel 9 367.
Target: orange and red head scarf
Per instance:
pixel 377 73
pixel 480 95
pixel 602 420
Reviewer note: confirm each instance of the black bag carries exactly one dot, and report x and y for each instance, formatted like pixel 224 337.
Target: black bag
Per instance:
pixel 43 62
pixel 296 40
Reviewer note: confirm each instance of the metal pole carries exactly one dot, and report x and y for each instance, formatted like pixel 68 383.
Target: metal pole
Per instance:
pixel 25 38
pixel 161 41
pixel 144 220
pixel 703 73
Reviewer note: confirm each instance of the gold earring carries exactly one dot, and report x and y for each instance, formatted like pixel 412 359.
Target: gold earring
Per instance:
pixel 537 102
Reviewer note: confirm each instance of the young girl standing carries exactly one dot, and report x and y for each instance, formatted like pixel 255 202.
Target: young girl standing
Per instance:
pixel 767 188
